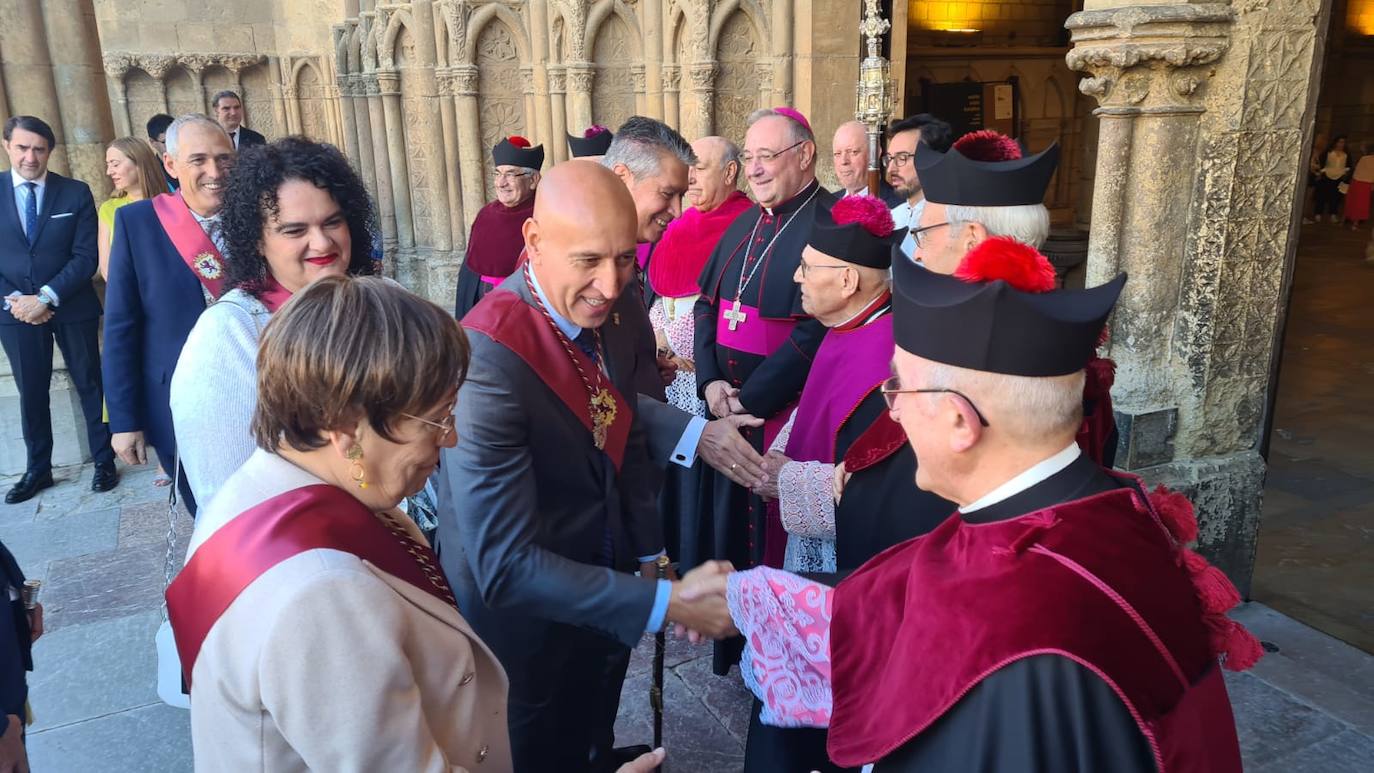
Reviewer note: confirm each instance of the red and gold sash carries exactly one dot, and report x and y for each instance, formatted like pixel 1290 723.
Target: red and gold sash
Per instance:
pixel 192 244
pixel 507 319
pixel 307 518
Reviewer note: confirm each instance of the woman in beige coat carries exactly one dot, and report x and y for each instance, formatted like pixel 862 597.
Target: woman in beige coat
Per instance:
pixel 314 626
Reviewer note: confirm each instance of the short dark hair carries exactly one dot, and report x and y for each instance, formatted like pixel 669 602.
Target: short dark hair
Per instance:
pixel 639 144
pixel 934 132
pixel 158 125
pixel 222 94
pixel 250 200
pixel 33 124
pixel 344 349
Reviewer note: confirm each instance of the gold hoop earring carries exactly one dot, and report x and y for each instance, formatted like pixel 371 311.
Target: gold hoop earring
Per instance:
pixel 356 471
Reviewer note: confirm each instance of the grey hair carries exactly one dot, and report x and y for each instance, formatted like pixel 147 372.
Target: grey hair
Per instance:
pixel 174 131
pixel 730 155
pixel 797 131
pixel 639 144
pixel 1026 223
pixel 1031 409
pixel 222 94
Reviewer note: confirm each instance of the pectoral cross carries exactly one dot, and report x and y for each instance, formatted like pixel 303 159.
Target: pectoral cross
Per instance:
pixel 734 315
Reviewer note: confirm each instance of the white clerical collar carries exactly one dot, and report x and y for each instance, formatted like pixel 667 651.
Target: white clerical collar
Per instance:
pixel 1038 473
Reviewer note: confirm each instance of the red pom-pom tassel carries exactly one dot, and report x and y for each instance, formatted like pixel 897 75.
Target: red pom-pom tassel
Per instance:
pixel 988 145
pixel 518 141
pixel 1016 263
pixel 1176 513
pixel 869 212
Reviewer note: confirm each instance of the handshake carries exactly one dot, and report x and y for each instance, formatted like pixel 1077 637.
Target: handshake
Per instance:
pixel 697 605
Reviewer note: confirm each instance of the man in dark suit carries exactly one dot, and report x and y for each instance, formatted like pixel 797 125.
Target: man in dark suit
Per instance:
pixel 47 257
pixel 229 113
pixel 548 505
pixel 20 627
pixel 157 137
pixel 154 296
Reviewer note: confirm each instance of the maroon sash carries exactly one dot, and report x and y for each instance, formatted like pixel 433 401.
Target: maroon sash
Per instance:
pixel 307 518
pixel 507 319
pixel 196 250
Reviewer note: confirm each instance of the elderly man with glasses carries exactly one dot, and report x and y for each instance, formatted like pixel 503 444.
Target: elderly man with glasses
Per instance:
pixel 495 242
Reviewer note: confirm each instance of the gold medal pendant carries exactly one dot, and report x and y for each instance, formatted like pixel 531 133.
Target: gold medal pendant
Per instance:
pixel 602 409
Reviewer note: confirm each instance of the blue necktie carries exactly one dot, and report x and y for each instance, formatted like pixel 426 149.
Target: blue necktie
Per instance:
pixel 586 341
pixel 31 211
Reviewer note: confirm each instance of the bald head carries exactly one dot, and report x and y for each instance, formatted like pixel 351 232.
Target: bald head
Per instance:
pixel 716 174
pixel 581 240
pixel 849 151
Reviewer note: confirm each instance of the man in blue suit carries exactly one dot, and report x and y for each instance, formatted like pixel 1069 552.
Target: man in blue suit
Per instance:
pixel 165 266
pixel 47 257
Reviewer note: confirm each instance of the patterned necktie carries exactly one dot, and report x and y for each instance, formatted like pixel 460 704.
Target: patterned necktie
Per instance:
pixel 586 341
pixel 31 211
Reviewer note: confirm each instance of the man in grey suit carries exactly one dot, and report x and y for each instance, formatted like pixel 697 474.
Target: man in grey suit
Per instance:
pixel 547 504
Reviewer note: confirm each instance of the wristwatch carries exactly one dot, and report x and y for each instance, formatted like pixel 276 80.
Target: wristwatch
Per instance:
pixel 44 298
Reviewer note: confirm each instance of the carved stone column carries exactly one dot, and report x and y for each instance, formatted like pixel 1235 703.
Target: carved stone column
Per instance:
pixel 541 120
pixel 449 120
pixel 580 77
pixel 28 74
pixel 558 104
pixel 639 84
pixel 389 83
pixel 671 103
pixel 81 97
pixel 431 198
pixel 1203 112
pixel 531 120
pixel 195 65
pixel 470 148
pixel 357 85
pixel 158 66
pixel 783 50
pixel 381 157
pixel 653 59
pixel 290 97
pixel 116 67
pixel 350 126
pixel 701 79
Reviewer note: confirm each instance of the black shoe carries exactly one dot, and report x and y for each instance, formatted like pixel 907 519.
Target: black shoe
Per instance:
pixel 105 477
pixel 27 486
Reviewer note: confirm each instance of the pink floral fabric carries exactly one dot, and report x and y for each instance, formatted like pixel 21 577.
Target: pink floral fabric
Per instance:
pixel 786 660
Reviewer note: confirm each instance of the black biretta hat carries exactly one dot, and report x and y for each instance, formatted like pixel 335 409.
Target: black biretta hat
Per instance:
pixel 858 230
pixel 956 179
pixel 516 151
pixel 594 142
pixel 991 327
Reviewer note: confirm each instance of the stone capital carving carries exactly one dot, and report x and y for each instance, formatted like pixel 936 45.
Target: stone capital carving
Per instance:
pixel 580 78
pixel 237 63
pixel 558 79
pixel 369 86
pixel 118 64
pixel 389 83
pixel 156 65
pixel 527 79
pixel 701 76
pixel 456 14
pixel 465 80
pixel 1148 58
pixel 637 77
pixel 195 63
pixel 288 91
pixel 671 76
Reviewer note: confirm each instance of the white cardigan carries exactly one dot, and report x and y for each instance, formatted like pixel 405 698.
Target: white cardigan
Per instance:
pixel 215 390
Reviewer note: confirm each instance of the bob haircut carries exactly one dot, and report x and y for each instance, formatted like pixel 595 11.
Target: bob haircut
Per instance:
pixel 345 349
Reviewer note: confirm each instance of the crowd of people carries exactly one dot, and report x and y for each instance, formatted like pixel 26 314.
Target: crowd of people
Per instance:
pixel 832 431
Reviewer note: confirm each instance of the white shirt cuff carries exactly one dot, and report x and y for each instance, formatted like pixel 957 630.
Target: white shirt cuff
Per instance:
pixel 52 294
pixel 685 453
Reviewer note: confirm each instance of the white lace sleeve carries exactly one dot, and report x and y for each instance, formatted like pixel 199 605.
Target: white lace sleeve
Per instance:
pixel 807 508
pixel 780 442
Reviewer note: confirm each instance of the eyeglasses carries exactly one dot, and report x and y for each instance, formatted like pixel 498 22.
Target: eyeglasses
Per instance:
pixel 766 156
pixel 805 267
pixel 893 387
pixel 919 235
pixel 512 176
pixel 443 428
pixel 900 158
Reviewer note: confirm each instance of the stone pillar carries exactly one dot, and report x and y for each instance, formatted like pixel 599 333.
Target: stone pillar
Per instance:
pixel 382 161
pixel 430 135
pixel 470 148
pixel 448 116
pixel 195 65
pixel 28 73
pixel 290 98
pixel 638 81
pixel 580 76
pixel 350 126
pixel 783 46
pixel 531 128
pixel 1199 178
pixel 389 83
pixel 279 89
pixel 671 103
pixel 366 163
pixel 542 117
pixel 558 104
pixel 158 66
pixel 653 60
pixel 78 75
pixel 116 67
pixel 701 79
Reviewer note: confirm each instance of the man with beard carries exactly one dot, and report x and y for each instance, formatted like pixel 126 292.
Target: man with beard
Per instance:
pixel 754 343
pixel 899 161
pixel 494 242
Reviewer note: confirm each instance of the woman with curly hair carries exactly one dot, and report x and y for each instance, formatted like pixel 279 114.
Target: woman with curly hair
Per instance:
pixel 294 211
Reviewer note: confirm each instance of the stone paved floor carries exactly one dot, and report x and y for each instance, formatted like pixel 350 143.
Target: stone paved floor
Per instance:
pixel 1309 706
pixel 1316 538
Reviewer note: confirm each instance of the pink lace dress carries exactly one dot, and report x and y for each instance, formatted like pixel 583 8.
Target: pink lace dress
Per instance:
pixel 806 504
pixel 674 325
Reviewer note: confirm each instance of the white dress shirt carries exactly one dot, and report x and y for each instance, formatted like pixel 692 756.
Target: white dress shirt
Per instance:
pixel 907 215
